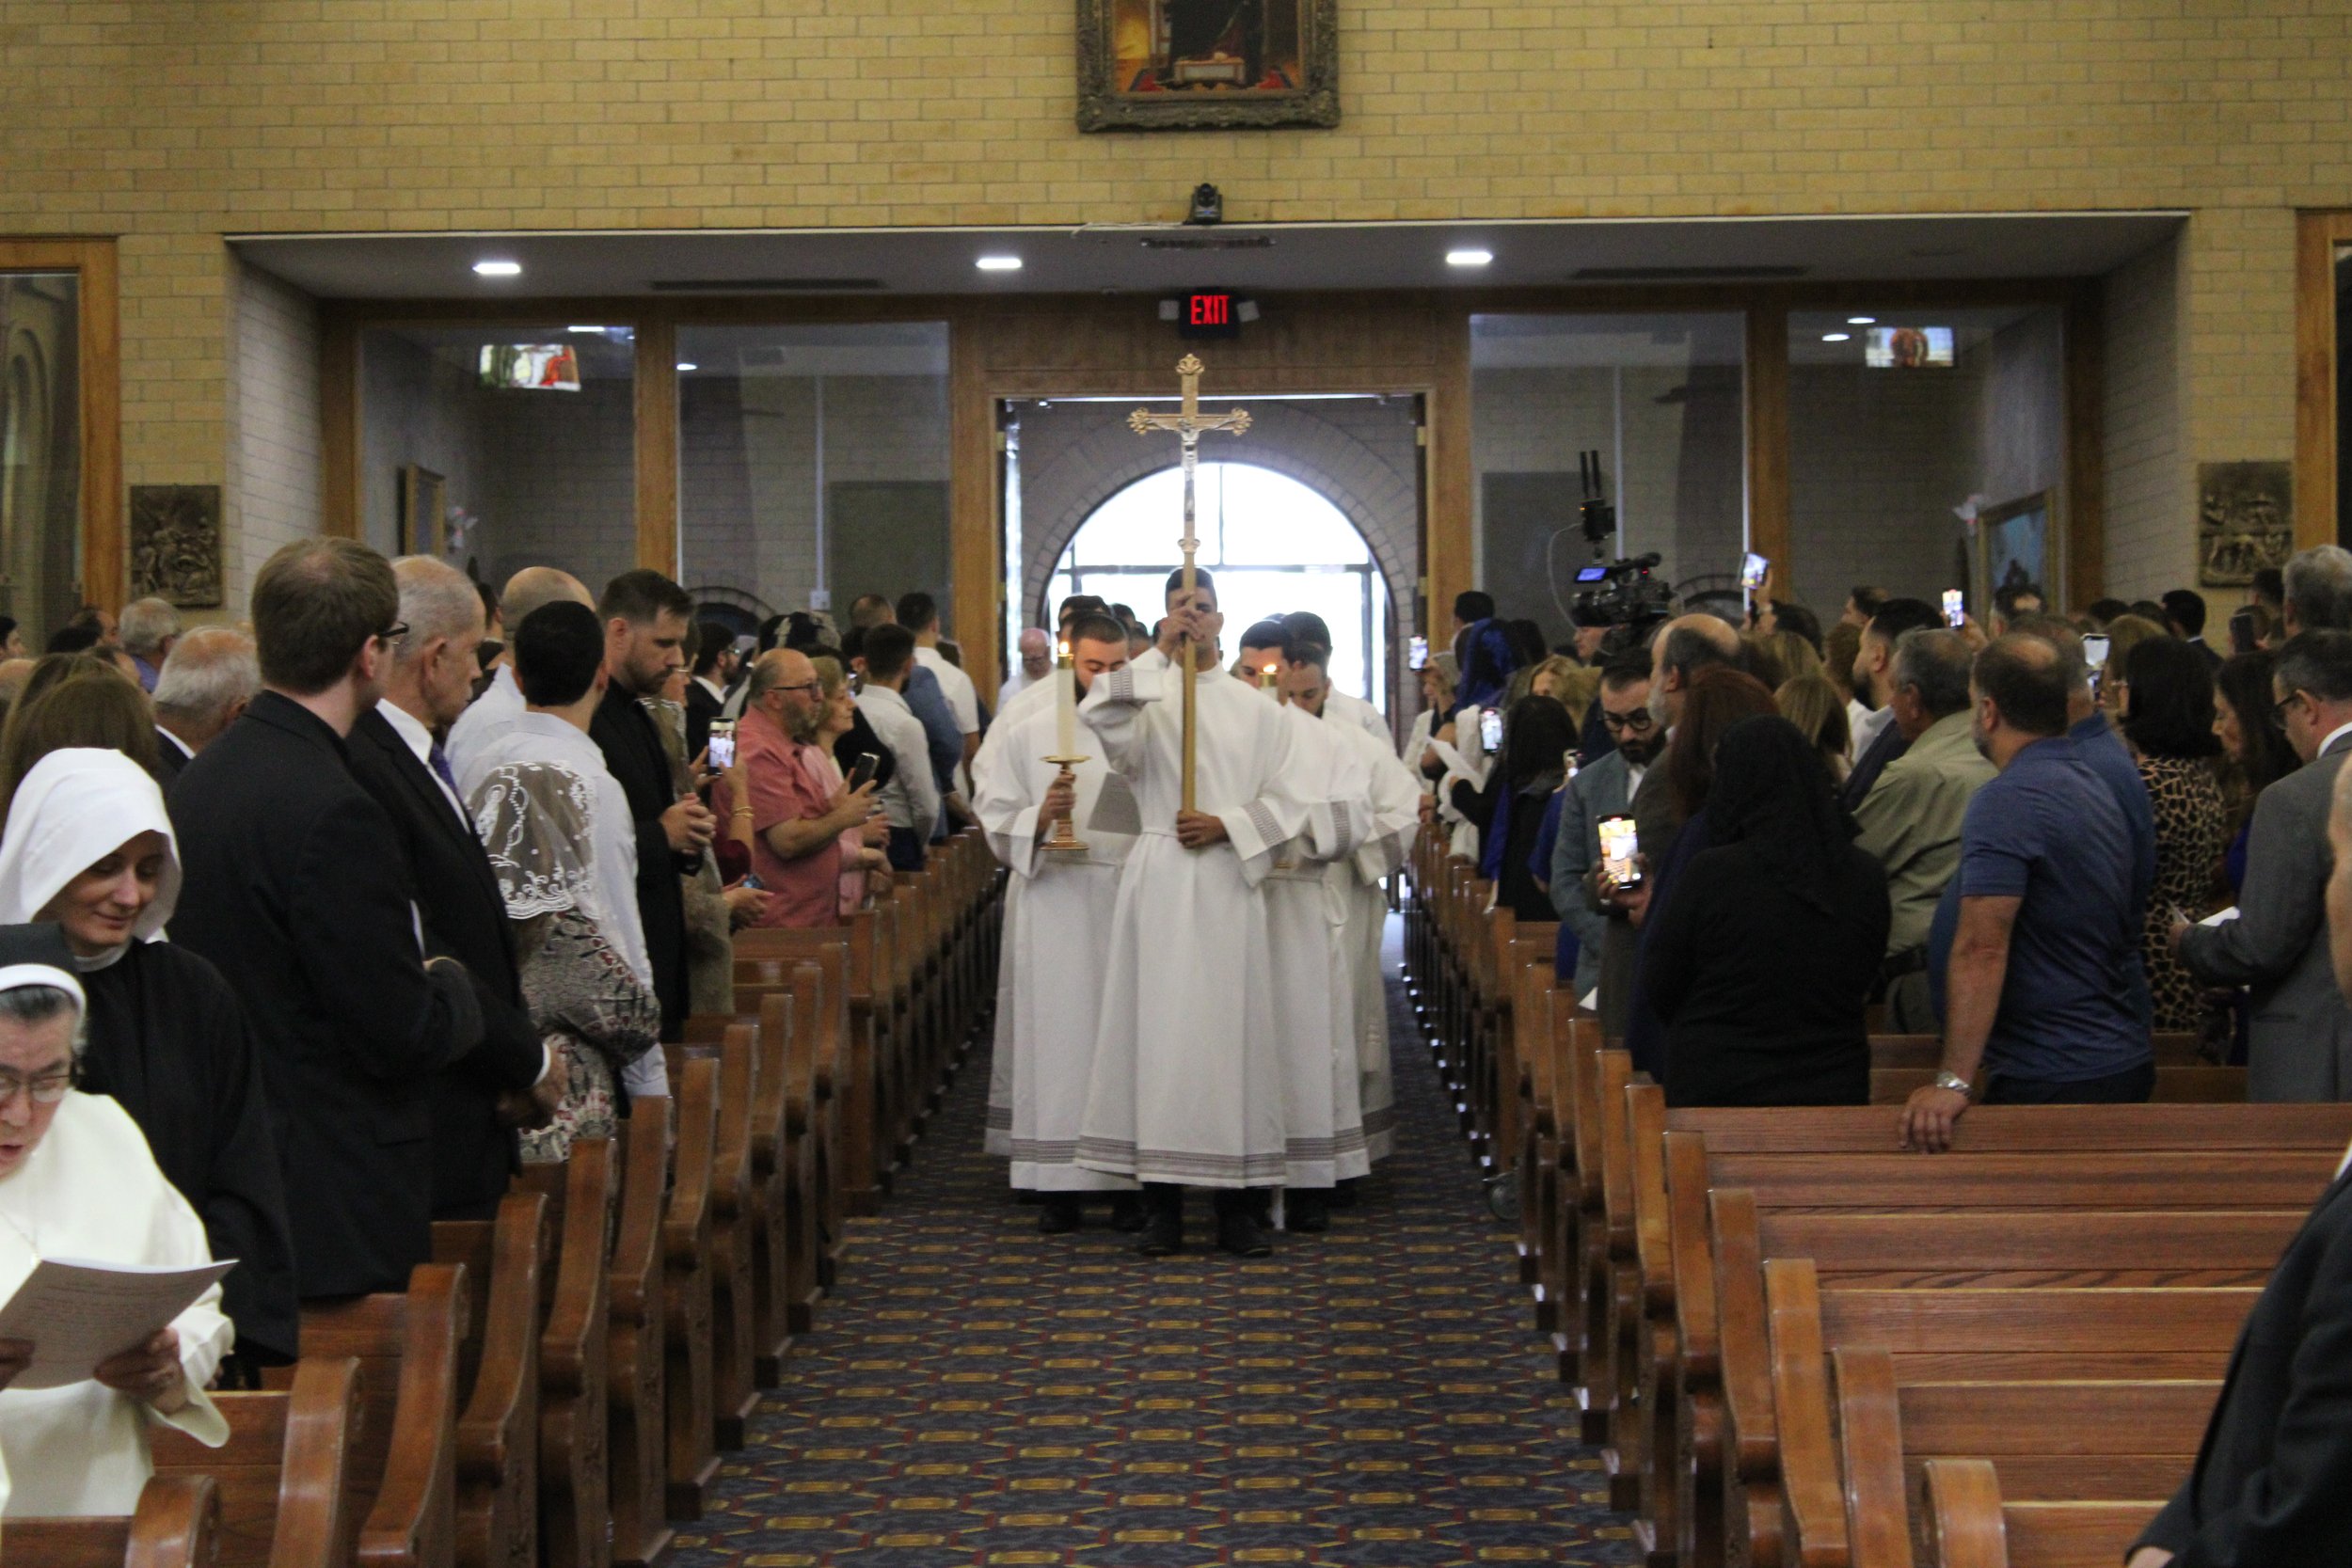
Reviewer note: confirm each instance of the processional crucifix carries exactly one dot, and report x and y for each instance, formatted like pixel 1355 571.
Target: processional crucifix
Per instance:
pixel 1189 425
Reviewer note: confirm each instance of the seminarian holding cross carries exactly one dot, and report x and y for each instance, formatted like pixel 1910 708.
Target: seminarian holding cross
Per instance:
pixel 1187 1081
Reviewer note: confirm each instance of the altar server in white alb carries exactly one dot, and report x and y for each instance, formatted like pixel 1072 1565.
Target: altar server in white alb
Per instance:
pixel 1187 1085
pixel 1381 845
pixel 77 1181
pixel 1306 908
pixel 1058 911
pixel 1308 629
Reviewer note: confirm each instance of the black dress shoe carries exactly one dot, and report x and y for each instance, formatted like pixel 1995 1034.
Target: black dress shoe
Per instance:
pixel 1239 1234
pixel 1127 1212
pixel 1307 1210
pixel 1163 1233
pixel 1058 1214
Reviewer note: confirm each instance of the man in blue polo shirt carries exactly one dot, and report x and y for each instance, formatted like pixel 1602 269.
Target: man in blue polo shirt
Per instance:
pixel 2040 950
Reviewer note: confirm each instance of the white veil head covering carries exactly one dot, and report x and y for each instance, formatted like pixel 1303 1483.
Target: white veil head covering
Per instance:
pixel 78 805
pixel 533 817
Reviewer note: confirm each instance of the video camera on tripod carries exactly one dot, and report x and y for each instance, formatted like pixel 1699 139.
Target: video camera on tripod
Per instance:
pixel 1613 593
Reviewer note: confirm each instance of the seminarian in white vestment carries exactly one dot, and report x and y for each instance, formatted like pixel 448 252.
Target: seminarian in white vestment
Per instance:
pixel 1307 895
pixel 1059 909
pixel 1188 1083
pixel 90 1191
pixel 1381 851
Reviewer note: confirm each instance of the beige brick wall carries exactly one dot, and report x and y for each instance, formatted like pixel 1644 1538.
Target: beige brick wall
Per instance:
pixel 172 123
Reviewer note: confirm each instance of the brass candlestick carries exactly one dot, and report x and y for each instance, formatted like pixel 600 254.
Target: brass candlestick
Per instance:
pixel 1064 838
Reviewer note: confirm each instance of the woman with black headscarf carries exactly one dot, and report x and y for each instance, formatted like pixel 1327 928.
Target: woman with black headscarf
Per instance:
pixel 1762 961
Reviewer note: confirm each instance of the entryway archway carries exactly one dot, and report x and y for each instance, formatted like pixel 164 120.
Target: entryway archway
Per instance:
pixel 1275 544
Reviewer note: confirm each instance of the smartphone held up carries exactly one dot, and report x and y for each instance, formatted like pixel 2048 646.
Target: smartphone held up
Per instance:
pixel 1620 850
pixel 723 743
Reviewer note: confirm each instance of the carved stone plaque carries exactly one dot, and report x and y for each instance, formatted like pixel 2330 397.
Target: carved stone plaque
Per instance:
pixel 175 544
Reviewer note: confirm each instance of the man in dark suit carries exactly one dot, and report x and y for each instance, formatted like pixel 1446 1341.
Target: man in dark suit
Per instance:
pixel 477 1101
pixel 296 891
pixel 715 664
pixel 2273 1478
pixel 2300 1041
pixel 208 679
pixel 2185 613
pixel 644 617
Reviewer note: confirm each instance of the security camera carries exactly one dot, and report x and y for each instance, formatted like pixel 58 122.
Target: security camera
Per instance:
pixel 1208 205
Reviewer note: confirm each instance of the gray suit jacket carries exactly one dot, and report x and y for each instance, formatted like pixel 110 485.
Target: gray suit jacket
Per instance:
pixel 2301 1040
pixel 1599 791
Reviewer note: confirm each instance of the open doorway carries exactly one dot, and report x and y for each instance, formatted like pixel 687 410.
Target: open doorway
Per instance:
pixel 1319 506
pixel 1275 545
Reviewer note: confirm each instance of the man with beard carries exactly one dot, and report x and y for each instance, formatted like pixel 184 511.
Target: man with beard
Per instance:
pixel 1057 923
pixel 1603 789
pixel 646 616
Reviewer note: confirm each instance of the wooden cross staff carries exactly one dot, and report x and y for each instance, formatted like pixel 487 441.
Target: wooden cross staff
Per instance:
pixel 1189 424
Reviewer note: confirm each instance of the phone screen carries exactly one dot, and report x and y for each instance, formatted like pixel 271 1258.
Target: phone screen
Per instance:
pixel 862 770
pixel 1618 845
pixel 1490 730
pixel 1419 659
pixel 1955 608
pixel 1751 571
pixel 721 745
pixel 2095 646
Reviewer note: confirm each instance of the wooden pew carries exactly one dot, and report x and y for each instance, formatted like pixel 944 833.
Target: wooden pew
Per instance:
pixel 177 1525
pixel 738 1231
pixel 689 1426
pixel 497 1433
pixel 399 1505
pixel 575 1514
pixel 856 961
pixel 635 1360
pixel 284 1475
pixel 2057 1347
pixel 2229 1179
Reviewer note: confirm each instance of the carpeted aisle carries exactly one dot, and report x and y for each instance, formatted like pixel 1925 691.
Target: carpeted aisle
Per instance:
pixel 977 1393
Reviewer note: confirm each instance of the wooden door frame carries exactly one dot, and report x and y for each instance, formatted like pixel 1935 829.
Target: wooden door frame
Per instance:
pixel 2317 234
pixel 99 374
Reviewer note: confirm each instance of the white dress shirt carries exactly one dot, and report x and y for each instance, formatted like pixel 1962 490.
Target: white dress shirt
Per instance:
pixel 963 701
pixel 499 704
pixel 910 799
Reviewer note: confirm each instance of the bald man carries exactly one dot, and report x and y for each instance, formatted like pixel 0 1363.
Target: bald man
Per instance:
pixel 771 801
pixel 501 702
pixel 1037 663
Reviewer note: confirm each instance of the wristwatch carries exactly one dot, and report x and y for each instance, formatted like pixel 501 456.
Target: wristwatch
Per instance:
pixel 1953 1081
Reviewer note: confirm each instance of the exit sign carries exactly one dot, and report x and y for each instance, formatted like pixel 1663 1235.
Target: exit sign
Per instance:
pixel 1209 313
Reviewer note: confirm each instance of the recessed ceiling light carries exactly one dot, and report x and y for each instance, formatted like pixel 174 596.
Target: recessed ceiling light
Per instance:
pixel 1472 257
pixel 1836 337
pixel 1862 321
pixel 587 330
pixel 688 365
pixel 998 263
pixel 497 269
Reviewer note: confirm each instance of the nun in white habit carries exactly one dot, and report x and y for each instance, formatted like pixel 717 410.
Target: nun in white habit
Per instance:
pixel 89 848
pixel 76 1182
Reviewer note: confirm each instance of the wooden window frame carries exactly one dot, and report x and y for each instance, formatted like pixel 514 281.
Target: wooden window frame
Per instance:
pixel 105 567
pixel 2317 236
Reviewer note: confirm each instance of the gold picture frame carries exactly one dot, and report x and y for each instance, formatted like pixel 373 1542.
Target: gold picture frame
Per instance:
pixel 1223 64
pixel 2016 541
pixel 423 512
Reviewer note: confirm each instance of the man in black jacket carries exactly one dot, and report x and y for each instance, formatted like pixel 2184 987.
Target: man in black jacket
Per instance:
pixel 395 756
pixel 2273 1479
pixel 295 890
pixel 715 663
pixel 644 617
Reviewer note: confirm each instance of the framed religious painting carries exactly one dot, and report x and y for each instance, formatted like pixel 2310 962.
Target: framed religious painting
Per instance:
pixel 1173 65
pixel 2013 549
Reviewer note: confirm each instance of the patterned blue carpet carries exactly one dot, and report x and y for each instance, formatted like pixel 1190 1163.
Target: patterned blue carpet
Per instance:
pixel 977 1393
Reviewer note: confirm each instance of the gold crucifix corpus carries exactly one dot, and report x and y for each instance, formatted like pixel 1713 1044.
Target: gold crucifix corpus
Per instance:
pixel 1189 424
